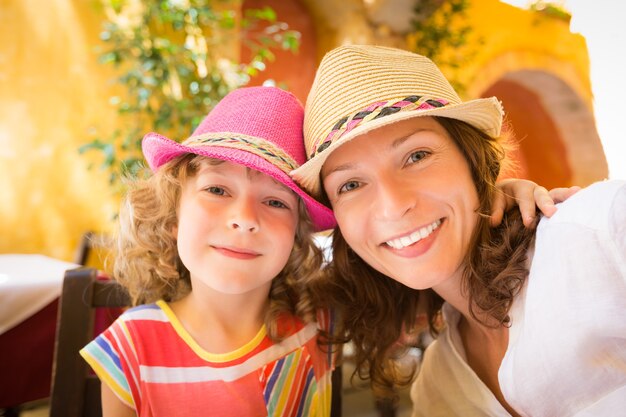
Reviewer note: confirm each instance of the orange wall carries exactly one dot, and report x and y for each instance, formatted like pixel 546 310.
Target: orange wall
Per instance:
pixel 541 153
pixel 294 72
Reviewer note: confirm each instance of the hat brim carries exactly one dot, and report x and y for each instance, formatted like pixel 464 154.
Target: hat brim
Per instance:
pixel 158 150
pixel 484 114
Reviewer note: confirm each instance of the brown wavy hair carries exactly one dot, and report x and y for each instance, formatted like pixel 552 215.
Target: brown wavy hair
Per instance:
pixel 146 260
pixel 378 313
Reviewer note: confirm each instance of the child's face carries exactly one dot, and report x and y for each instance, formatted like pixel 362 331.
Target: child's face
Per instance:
pixel 236 228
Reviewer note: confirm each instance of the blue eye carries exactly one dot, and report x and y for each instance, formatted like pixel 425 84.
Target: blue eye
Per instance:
pixel 349 186
pixel 276 204
pixel 216 190
pixel 417 156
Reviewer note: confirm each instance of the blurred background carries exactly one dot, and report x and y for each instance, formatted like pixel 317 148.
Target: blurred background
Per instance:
pixel 81 82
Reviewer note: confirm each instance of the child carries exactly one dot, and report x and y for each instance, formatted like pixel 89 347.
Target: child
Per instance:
pixel 217 248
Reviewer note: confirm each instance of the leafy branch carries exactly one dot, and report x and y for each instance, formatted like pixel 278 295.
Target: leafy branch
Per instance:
pixel 440 32
pixel 171 69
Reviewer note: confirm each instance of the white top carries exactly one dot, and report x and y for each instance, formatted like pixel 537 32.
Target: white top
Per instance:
pixel 27 284
pixel 567 341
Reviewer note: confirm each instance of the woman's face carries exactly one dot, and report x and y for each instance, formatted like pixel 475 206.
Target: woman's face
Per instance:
pixel 405 201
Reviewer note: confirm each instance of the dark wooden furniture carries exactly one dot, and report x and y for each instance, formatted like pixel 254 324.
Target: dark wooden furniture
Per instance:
pixel 75 390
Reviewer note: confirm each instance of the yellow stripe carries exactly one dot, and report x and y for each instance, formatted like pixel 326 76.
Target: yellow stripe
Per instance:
pixel 326 400
pixel 287 385
pixel 104 376
pixel 211 357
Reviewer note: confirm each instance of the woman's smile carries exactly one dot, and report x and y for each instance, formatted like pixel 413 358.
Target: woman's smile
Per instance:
pixel 413 237
pixel 416 243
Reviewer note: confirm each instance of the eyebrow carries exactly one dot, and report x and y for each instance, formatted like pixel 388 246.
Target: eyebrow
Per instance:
pixel 395 144
pixel 344 167
pixel 214 162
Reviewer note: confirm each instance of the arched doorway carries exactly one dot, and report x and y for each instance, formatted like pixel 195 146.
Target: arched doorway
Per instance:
pixel 558 140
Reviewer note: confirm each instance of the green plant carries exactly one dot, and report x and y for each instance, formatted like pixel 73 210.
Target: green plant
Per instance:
pixel 440 32
pixel 172 70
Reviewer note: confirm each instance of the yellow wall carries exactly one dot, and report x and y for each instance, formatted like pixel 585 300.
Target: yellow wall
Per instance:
pixel 520 39
pixel 531 51
pixel 52 90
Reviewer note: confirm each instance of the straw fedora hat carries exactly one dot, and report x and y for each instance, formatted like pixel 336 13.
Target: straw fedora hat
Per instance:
pixel 258 127
pixel 359 88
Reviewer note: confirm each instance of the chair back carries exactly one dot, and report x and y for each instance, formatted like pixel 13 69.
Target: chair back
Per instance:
pixel 75 389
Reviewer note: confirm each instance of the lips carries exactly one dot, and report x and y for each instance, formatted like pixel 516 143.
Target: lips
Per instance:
pixel 235 252
pixel 409 239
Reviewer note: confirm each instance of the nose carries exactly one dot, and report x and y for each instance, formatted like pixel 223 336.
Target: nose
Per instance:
pixel 244 216
pixel 394 198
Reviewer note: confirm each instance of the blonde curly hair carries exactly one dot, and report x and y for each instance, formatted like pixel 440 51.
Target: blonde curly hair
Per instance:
pixel 146 260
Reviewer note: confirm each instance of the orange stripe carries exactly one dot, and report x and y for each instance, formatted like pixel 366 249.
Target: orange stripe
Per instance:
pixel 295 391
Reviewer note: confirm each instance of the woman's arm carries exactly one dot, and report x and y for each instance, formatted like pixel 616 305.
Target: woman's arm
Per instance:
pixel 527 195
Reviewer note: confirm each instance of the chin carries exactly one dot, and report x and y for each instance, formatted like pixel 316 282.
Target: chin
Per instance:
pixel 419 284
pixel 415 285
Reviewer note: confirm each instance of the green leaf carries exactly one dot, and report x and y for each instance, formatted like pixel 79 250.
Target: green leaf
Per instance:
pixel 145 57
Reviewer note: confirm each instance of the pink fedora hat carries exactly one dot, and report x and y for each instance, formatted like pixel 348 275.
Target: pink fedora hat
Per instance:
pixel 258 127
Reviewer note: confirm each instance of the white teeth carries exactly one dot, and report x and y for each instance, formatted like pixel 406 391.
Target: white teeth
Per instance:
pixel 416 236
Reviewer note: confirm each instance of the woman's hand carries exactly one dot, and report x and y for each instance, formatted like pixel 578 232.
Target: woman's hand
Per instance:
pixel 527 195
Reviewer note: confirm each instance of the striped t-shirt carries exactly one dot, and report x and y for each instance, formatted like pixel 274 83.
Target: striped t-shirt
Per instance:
pixel 154 366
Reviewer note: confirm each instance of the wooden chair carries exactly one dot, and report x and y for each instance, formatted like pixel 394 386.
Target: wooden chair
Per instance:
pixel 337 388
pixel 75 390
pixel 84 249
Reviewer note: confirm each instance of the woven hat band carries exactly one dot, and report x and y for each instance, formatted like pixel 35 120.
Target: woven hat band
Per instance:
pixel 375 111
pixel 257 146
pixel 361 88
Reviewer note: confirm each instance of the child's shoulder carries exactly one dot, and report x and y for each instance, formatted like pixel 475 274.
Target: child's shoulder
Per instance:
pixel 153 311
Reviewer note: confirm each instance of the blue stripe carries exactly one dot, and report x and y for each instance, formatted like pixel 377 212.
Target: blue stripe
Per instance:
pixel 309 378
pixel 106 361
pixel 106 347
pixel 272 380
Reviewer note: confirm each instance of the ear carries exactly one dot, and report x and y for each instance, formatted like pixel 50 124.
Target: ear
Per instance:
pixel 175 232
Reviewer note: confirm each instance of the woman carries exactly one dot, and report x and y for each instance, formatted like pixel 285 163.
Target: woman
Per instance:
pixel 535 320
